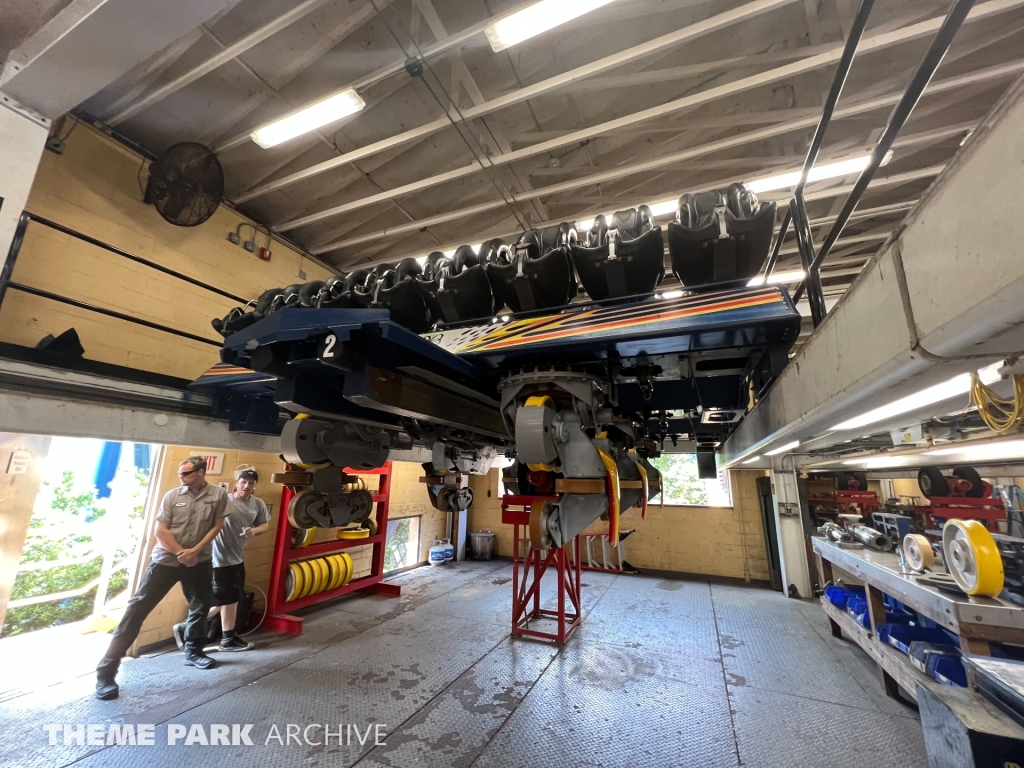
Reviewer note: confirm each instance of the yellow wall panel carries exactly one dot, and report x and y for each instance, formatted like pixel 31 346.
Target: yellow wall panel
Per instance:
pixel 94 188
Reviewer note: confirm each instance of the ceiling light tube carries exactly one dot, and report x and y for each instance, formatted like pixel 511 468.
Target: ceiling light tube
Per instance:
pixel 751 460
pixel 536 19
pixel 783 448
pixel 779 277
pixel 818 173
pixel 314 116
pixel 958 385
pixel 982 450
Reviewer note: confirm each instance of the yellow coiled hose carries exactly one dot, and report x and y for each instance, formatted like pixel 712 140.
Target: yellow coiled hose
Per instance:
pixel 1001 414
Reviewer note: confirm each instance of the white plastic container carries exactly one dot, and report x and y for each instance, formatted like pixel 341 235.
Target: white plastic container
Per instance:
pixel 436 556
pixel 449 550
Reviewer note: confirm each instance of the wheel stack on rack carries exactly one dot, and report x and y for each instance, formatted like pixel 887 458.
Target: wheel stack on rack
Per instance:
pixel 305 572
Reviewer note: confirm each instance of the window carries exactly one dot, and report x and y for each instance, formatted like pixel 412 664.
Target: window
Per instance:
pixel 682 486
pixel 403 543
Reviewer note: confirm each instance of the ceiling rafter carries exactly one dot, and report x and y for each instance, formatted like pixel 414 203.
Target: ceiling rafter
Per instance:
pixel 811 63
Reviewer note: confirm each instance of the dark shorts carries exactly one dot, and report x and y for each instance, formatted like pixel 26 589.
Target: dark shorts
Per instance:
pixel 228 584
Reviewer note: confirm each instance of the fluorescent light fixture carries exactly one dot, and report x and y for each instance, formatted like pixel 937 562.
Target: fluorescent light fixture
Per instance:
pixel 664 208
pixel 881 462
pixel 309 119
pixel 671 294
pixel 751 461
pixel 538 18
pixel 783 448
pixel 982 451
pixel 958 385
pixel 818 173
pixel 779 277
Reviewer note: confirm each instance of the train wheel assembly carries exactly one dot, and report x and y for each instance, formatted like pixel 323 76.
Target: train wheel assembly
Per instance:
pixel 972 557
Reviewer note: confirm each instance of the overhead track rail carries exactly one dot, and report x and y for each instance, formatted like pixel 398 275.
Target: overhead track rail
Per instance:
pixel 958 13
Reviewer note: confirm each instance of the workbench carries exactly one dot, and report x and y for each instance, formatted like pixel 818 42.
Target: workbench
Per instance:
pixel 978 621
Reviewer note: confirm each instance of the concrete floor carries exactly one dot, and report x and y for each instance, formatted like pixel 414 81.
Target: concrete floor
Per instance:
pixel 661 673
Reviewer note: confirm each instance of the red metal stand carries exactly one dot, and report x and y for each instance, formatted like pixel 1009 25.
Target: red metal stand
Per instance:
pixel 278 618
pixel 849 502
pixel 528 572
pixel 988 510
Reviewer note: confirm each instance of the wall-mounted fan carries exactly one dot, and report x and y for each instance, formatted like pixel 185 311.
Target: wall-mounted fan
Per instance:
pixel 186 184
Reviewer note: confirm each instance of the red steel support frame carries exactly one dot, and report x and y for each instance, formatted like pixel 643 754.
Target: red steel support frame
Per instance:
pixel 278 617
pixel 528 572
pixel 988 510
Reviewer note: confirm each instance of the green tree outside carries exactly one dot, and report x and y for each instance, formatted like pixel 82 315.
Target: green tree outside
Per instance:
pixel 681 484
pixel 74 527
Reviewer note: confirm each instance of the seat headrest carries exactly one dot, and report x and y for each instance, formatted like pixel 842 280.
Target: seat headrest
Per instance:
pixel 495 252
pixel 742 202
pixel 632 222
pixel 698 211
pixel 408 268
pixel 433 265
pixel 266 299
pixel 309 292
pixel 463 258
pixel 356 279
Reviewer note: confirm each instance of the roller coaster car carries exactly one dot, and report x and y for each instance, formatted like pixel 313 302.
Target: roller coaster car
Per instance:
pixel 398 291
pixel 625 258
pixel 456 289
pixel 242 317
pixel 720 238
pixel 536 272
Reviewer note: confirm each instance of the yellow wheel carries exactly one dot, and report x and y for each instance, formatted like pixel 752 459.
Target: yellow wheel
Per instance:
pixel 539 401
pixel 292 584
pixel 918 551
pixel 302 537
pixel 325 575
pixel 332 571
pixel 317 577
pixel 349 567
pixel 354 533
pixel 972 557
pixel 338 563
pixel 320 565
pixel 307 578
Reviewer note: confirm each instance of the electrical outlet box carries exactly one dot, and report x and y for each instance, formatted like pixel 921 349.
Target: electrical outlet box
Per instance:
pixel 234 238
pixel 250 246
pixel 302 275
pixel 264 254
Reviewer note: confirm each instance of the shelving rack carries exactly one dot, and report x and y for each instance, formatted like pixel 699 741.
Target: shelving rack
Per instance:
pixel 279 617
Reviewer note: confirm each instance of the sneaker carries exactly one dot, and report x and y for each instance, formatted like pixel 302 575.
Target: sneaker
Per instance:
pixel 179 635
pixel 235 643
pixel 198 659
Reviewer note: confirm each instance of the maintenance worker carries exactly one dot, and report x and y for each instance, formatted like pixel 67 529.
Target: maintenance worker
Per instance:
pixel 248 517
pixel 189 519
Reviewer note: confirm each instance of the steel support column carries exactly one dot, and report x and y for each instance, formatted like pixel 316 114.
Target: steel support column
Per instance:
pixel 789 524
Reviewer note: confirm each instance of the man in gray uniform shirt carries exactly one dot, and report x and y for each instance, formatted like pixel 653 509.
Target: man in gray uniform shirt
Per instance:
pixel 189 519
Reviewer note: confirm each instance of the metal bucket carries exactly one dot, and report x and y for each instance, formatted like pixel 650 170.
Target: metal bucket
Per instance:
pixel 481 545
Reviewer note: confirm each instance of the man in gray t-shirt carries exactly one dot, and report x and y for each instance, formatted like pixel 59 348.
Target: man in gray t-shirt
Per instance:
pixel 189 519
pixel 248 517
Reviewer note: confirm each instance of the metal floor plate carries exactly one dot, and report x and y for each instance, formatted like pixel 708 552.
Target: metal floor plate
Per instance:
pixel 662 672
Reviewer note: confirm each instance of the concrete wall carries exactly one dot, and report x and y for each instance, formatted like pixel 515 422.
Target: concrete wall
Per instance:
pixel 711 541
pixel 408 498
pixel 94 188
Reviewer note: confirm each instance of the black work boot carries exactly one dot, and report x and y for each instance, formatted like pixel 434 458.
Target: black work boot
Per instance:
pixel 196 658
pixel 106 684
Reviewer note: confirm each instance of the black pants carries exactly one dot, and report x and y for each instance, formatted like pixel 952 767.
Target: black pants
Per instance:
pixel 196 583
